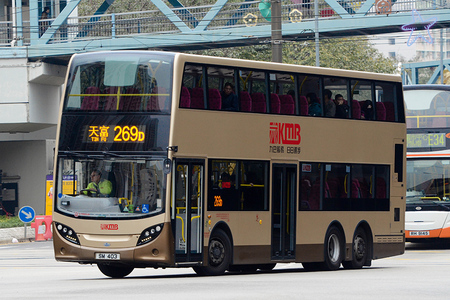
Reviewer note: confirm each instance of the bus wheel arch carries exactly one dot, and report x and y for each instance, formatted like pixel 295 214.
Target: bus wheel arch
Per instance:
pixel 219 252
pixel 361 247
pixel 334 246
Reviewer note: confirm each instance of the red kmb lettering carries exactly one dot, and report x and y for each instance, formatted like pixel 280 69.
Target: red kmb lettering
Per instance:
pixel 109 226
pixel 284 133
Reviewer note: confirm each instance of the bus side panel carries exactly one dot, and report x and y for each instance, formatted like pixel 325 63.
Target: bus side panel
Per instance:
pixel 251 254
pixel 386 246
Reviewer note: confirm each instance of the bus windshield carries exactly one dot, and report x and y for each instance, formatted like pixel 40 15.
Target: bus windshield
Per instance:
pixel 428 181
pixel 110 188
pixel 120 82
pixel 427 108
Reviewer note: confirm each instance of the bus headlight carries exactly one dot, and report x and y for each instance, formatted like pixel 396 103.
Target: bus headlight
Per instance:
pixel 149 234
pixel 67 233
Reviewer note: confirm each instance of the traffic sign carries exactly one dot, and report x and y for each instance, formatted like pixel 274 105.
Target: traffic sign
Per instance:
pixel 26 214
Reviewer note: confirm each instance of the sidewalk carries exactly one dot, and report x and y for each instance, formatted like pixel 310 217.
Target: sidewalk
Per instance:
pixel 8 234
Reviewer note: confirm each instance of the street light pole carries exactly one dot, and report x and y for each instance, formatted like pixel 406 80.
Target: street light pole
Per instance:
pixel 316 30
pixel 277 46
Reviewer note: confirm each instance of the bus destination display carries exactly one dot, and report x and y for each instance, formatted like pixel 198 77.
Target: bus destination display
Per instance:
pixel 114 134
pixel 426 140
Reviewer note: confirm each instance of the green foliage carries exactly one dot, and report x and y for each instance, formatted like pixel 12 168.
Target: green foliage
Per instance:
pixel 355 53
pixel 8 222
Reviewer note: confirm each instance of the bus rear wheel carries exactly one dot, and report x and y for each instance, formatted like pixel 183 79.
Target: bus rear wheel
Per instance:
pixel 115 271
pixel 359 251
pixel 219 255
pixel 334 249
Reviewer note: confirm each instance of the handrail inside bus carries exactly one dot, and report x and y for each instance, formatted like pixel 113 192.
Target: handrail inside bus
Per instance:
pixel 431 198
pixel 182 228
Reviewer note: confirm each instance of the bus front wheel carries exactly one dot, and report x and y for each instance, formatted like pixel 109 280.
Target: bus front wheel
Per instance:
pixel 219 255
pixel 115 271
pixel 359 251
pixel 334 248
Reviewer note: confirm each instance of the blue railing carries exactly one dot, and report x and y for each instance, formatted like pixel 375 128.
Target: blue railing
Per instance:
pixel 232 15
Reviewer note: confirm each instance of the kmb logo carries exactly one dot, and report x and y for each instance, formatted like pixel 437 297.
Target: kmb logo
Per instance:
pixel 284 133
pixel 109 226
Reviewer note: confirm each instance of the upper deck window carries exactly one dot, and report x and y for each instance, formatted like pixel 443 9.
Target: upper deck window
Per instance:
pixel 271 91
pixel 125 82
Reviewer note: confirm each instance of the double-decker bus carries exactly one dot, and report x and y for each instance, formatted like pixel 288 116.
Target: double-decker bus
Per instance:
pixel 428 162
pixel 157 167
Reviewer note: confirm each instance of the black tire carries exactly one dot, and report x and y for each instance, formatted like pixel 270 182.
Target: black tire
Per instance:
pixel 360 250
pixel 219 255
pixel 334 248
pixel 115 271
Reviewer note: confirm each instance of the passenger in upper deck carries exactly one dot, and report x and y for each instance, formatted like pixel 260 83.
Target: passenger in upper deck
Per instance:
pixel 330 107
pixel 98 186
pixel 314 108
pixel 342 108
pixel 229 99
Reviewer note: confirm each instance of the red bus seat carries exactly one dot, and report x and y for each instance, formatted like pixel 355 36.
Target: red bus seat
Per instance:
pixel 303 106
pixel 111 98
pixel 259 102
pixel 245 101
pixel 92 100
pixel 185 99
pixel 287 105
pixel 197 99
pixel 215 99
pixel 356 110
pixel 275 104
pixel 381 111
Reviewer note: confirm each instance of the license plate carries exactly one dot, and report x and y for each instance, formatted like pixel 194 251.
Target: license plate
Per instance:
pixel 419 233
pixel 107 256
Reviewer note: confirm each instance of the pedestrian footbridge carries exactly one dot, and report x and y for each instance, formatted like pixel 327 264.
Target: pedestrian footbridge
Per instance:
pixel 173 26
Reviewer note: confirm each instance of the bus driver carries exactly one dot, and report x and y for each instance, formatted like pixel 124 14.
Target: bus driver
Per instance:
pixel 98 186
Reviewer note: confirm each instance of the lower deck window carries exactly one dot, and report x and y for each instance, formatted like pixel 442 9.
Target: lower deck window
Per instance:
pixel 238 185
pixel 344 187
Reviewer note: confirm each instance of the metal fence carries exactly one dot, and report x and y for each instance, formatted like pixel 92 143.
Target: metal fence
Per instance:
pixel 241 14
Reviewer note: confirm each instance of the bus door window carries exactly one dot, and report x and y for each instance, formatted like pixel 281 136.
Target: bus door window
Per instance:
pixel 188 211
pixel 284 186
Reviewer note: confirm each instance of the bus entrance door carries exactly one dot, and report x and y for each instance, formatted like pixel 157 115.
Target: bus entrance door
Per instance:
pixel 284 186
pixel 187 207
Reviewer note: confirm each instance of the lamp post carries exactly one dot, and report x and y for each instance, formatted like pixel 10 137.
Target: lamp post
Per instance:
pixel 276 36
pixel 316 30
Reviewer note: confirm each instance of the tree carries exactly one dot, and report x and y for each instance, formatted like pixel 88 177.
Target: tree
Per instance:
pixel 355 53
